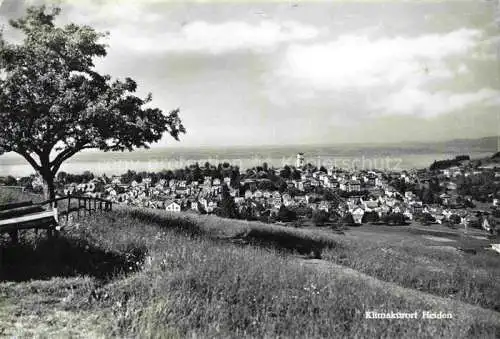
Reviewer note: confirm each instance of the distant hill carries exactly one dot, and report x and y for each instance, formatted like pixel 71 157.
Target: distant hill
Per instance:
pixel 486 144
pixel 482 144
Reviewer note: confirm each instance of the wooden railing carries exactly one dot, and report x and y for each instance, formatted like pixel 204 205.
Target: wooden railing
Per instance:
pixel 22 188
pixel 29 215
pixel 83 206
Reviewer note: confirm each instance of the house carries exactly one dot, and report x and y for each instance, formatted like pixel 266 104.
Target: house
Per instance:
pixel 248 194
pixel 207 181
pixel 234 192
pixel 147 181
pixel 390 192
pixel 315 183
pixel 196 206
pixel 372 179
pixel 324 206
pixel 445 198
pixel 183 191
pixel 276 203
pixel 409 195
pixel 342 184
pixel 417 207
pixel 486 225
pixel 357 215
pixel 371 204
pixel 258 194
pixel 212 205
pixel 301 199
pixel 407 213
pixel 332 183
pixel 172 206
pixel 204 203
pixel 451 186
pixel 287 199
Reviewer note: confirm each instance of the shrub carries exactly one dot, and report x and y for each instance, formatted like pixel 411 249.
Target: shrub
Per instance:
pixel 320 217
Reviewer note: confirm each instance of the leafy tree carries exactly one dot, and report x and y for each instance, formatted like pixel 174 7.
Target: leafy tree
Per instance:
pixel 394 219
pixel 455 219
pixel 248 213
pixel 427 219
pixel 197 173
pixel 228 208
pixel 285 214
pixel 62 177
pixel 286 172
pixel 295 174
pixel 10 181
pixel 320 217
pixel 128 177
pixel 266 185
pixel 371 216
pixel 87 176
pixel 329 195
pixel 26 182
pixel 53 104
pixel 282 186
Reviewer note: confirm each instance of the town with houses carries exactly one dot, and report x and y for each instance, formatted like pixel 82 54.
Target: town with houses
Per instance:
pixel 457 192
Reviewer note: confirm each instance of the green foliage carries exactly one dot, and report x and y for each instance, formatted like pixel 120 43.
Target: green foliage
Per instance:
pixel 192 286
pixel 52 101
pixel 395 219
pixel 426 219
pixel 286 215
pixel 227 207
pixel 455 219
pixel 320 217
pixel 370 216
pixel 9 181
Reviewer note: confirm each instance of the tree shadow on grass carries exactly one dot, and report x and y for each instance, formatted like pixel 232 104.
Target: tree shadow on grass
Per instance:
pixel 266 237
pixel 288 242
pixel 64 257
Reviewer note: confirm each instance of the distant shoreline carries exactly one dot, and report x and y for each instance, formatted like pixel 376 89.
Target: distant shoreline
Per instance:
pixel 109 164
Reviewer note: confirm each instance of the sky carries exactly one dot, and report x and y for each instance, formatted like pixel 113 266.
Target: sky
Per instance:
pixel 304 72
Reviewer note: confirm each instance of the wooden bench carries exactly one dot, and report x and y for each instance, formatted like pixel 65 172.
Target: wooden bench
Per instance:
pixel 26 215
pixel 15 205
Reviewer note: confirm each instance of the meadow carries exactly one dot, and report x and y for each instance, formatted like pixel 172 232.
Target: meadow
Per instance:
pixel 147 273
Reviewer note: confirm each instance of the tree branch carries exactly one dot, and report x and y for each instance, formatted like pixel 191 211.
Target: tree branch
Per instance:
pixel 65 155
pixel 29 158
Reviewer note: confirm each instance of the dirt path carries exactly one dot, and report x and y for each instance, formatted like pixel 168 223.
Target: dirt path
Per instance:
pixel 460 310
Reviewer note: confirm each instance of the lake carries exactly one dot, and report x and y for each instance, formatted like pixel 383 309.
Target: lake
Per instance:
pixel 344 156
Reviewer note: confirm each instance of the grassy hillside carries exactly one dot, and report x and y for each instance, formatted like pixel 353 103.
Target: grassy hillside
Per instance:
pixel 146 273
pixel 412 263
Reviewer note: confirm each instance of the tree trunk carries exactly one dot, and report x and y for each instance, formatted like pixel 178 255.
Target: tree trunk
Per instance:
pixel 49 190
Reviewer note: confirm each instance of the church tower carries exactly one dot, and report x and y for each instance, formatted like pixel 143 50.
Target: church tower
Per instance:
pixel 300 160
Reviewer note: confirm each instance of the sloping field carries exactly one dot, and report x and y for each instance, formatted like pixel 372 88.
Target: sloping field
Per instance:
pixel 149 274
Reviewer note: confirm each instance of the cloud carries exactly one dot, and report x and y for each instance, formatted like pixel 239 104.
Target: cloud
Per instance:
pixel 411 101
pixel 214 38
pixel 366 77
pixel 358 62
